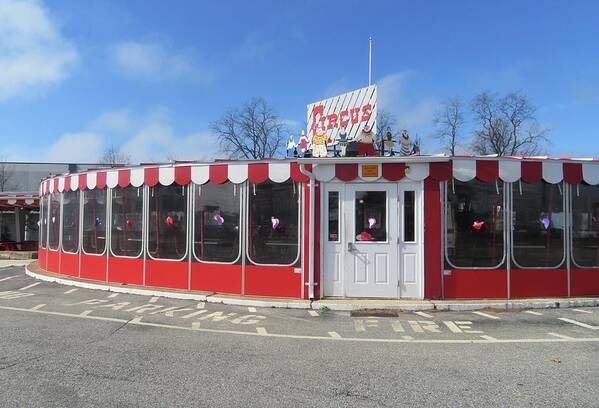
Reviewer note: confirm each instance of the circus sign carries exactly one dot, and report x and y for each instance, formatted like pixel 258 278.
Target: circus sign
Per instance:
pixel 343 116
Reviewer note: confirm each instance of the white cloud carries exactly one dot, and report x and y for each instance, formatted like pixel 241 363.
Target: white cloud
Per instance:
pixel 398 94
pixel 33 53
pixel 76 147
pixel 117 121
pixel 156 60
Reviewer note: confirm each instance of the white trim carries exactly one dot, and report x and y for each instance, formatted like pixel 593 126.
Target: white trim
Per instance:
pixel 193 229
pixel 324 172
pixel 464 169
pixel 590 173
pixel 417 171
pixel 279 172
pixel 92 179
pixel 510 170
pixel 74 182
pixel 200 174
pixel 166 176
pixel 237 173
pixel 112 178
pixel 137 177
pixel 553 172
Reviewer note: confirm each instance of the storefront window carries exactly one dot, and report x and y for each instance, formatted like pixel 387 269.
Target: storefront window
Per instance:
pixel 274 223
pixel 585 225
pixel 217 217
pixel 538 225
pixel 31 225
pixel 54 222
pixel 474 235
pixel 409 216
pixel 70 221
pixel 8 225
pixel 94 221
pixel 167 235
pixel 44 222
pixel 371 216
pixel 126 231
pixel 333 215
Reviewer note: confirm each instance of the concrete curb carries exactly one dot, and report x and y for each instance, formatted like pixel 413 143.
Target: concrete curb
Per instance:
pixel 343 306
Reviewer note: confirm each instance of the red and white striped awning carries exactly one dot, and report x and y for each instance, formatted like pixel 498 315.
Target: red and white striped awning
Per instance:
pixel 529 170
pixel 218 173
pixel 18 199
pixel 486 169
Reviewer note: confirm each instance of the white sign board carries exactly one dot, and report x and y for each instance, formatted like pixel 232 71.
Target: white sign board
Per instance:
pixel 351 111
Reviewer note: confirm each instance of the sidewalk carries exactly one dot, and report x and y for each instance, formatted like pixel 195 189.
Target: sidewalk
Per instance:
pixel 326 304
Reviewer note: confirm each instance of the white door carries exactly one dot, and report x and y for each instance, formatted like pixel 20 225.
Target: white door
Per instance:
pixel 371 235
pixel 410 240
pixel 334 249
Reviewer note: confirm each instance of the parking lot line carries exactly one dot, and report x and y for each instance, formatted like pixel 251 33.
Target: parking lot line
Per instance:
pixel 252 309
pixel 154 299
pixel 70 291
pixel 113 295
pixel 7 278
pixel 561 336
pixel 576 322
pixel 428 316
pixel 533 313
pixel 313 313
pixel 30 286
pixel 261 330
pixel 483 314
pixel 487 337
pixel 334 335
pixel 582 311
pixel 38 306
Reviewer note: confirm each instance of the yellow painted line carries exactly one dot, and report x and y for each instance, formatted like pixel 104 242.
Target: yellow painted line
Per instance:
pixel 333 336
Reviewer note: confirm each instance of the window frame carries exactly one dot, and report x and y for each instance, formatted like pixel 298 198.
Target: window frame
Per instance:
pixel 504 234
pixel 339 215
pixel 143 221
pixel 242 222
pixel 43 242
pixel 300 226
pixel 107 221
pixel 566 235
pixel 78 248
pixel 146 221
pixel 59 247
pixel 570 227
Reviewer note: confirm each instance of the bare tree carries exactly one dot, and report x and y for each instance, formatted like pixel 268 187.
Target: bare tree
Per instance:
pixel 449 121
pixel 385 121
pixel 507 125
pixel 113 155
pixel 6 175
pixel 253 131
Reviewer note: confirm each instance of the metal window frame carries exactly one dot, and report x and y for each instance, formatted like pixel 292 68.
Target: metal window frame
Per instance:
pixel 77 250
pixel 147 221
pixel 106 220
pixel 59 247
pixel 570 219
pixel 143 211
pixel 242 188
pixel 561 264
pixel 43 211
pixel 300 200
pixel 504 233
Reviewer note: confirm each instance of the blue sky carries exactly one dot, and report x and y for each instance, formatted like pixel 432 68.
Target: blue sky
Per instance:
pixel 149 76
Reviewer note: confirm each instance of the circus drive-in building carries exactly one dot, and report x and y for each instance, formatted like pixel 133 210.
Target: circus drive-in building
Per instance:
pixel 391 226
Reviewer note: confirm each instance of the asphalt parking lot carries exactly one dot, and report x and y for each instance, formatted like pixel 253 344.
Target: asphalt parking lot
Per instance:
pixel 65 346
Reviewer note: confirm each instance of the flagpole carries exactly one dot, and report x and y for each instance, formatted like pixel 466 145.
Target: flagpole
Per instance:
pixel 369 61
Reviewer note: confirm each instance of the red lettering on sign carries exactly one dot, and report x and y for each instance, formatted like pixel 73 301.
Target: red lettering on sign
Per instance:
pixel 332 118
pixel 354 115
pixel 343 119
pixel 366 112
pixel 317 113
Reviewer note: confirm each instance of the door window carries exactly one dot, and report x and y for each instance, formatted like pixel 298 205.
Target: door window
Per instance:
pixel 371 216
pixel 409 214
pixel 333 216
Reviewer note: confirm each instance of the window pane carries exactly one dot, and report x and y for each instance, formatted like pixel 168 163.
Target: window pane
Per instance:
pixel 94 221
pixel 70 221
pixel 585 225
pixel 474 224
pixel 538 225
pixel 333 215
pixel 167 236
pixel 8 226
pixel 371 216
pixel 216 232
pixel 273 223
pixel 409 222
pixel 127 206
pixel 44 222
pixel 54 221
pixel 32 224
